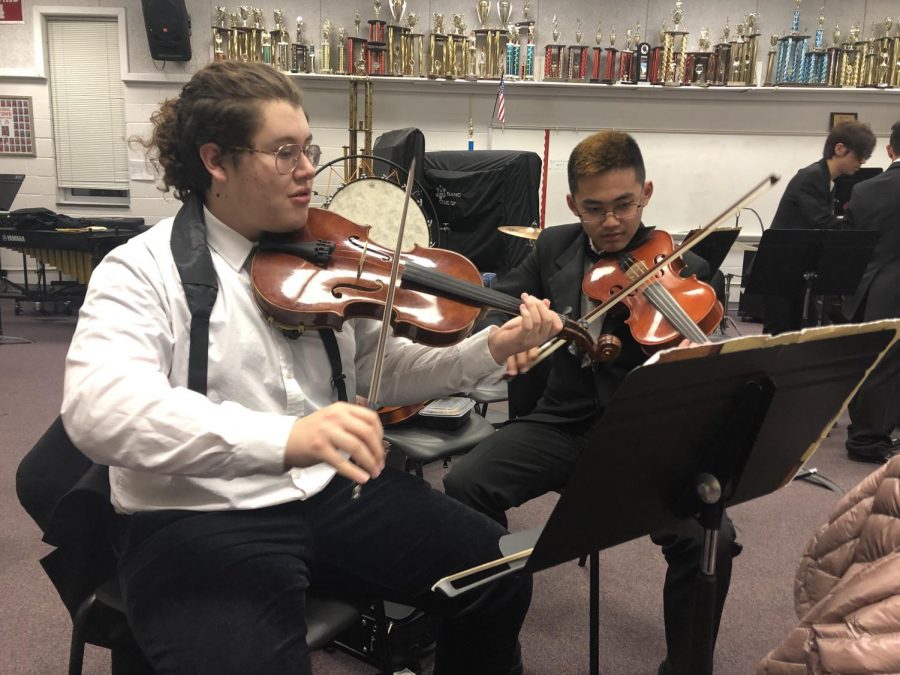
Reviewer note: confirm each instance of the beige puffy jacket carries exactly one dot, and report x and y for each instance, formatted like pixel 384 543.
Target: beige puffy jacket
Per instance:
pixel 847 588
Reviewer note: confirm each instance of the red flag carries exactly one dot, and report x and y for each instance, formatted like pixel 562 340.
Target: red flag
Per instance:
pixel 501 102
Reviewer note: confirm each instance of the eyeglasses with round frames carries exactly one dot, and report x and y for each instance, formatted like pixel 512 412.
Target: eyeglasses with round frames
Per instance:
pixel 592 214
pixel 288 156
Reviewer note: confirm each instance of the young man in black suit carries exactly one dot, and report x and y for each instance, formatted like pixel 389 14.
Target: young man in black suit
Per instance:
pixel 536 452
pixel 807 204
pixel 875 410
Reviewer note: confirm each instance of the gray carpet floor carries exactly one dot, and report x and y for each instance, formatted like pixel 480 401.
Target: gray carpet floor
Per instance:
pixel 35 628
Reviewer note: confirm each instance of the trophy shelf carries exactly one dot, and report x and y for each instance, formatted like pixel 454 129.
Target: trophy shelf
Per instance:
pixel 575 90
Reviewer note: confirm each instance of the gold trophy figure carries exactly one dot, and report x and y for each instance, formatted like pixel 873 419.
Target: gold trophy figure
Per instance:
pixel 221 35
pixel 325 56
pixel 300 58
pixel 243 34
pixel 357 20
pixel 437 47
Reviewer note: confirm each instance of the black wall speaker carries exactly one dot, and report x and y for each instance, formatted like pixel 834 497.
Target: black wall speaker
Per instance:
pixel 168 29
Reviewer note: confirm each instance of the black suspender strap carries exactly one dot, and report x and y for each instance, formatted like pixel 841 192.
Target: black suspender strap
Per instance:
pixel 334 358
pixel 198 278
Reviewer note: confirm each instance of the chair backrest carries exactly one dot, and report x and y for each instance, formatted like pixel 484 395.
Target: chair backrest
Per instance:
pixel 67 495
pixel 49 470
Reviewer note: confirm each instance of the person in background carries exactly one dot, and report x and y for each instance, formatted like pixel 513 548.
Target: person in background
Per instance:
pixel 875 410
pixel 808 204
pixel 536 452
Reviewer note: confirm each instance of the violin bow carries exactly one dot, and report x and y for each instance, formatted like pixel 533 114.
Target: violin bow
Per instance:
pixel 600 310
pixel 375 384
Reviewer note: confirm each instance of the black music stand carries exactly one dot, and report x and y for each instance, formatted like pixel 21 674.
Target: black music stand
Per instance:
pixel 728 419
pixel 9 188
pixel 715 246
pixel 807 263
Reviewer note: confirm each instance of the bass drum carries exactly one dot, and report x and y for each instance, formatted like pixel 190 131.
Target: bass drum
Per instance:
pixel 378 203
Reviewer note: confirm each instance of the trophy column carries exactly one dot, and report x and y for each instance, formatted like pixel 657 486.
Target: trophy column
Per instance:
pixel 415 49
pixel 791 52
pixel 437 48
pixel 597 56
pixel 674 50
pixel 611 60
pixel 513 55
pixel 576 57
pixel 221 35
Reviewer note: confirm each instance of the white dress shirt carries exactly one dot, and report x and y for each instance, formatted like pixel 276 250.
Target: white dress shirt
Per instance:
pixel 126 403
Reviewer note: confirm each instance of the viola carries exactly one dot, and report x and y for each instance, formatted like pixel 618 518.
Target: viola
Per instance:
pixel 329 271
pixel 666 308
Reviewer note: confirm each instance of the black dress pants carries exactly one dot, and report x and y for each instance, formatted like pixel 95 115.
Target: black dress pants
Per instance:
pixel 875 409
pixel 224 592
pixel 526 459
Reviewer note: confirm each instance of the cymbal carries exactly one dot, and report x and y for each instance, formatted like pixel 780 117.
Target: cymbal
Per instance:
pixel 520 231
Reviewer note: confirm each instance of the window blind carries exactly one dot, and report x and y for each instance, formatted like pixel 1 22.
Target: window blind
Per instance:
pixel 87 104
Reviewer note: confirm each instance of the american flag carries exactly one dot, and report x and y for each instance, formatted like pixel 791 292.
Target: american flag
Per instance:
pixel 501 102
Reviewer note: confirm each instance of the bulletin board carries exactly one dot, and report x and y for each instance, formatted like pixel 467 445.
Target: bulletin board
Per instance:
pixel 16 126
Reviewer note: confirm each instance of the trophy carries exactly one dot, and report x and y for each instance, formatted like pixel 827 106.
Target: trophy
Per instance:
pixel 674 50
pixel 554 56
pixel 895 60
pixel 257 29
pixel 221 35
pixel 609 65
pixel 597 54
pixel 396 56
pixel 626 57
pixel 697 64
pixel 437 47
pixel 242 34
pixel 513 53
pixel 885 56
pixel 376 26
pixel 576 59
pixel 489 41
pixel 528 63
pixel 791 52
pixel 300 62
pixel 280 40
pixel 342 61
pixel 414 48
pixel 525 33
pixel 743 52
pixel 834 58
pixel 325 54
pixel 815 61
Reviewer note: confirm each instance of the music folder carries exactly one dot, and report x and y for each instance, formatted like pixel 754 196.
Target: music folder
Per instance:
pixel 671 419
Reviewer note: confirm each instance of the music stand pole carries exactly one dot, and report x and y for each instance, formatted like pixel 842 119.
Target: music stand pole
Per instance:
pixel 809 278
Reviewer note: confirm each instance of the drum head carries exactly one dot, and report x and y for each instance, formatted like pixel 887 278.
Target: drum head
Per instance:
pixel 378 203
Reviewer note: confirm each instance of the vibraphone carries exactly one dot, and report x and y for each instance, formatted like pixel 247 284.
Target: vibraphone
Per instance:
pixel 74 252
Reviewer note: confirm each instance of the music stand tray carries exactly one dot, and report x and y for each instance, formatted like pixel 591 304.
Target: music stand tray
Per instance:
pixel 803 263
pixel 732 413
pixel 715 247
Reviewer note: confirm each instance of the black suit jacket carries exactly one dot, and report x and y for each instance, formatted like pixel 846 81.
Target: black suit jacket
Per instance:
pixel 807 203
pixel 554 269
pixel 875 205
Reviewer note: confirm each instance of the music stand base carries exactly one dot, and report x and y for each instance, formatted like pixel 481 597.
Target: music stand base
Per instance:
pixel 813 476
pixel 10 340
